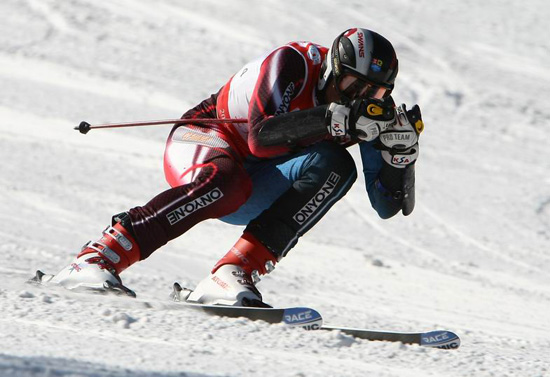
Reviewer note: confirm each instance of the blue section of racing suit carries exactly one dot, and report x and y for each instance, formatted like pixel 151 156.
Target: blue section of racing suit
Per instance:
pixel 272 177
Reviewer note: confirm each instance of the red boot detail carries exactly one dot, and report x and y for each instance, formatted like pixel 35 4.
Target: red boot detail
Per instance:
pixel 248 253
pixel 117 246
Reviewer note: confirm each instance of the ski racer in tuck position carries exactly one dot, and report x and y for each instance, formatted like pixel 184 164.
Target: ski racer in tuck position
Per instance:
pixel 278 173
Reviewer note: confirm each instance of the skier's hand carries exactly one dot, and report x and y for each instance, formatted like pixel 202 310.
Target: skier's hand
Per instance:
pixel 363 119
pixel 400 141
pixel 403 134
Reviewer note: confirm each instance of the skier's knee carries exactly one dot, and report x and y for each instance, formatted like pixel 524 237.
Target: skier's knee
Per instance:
pixel 334 158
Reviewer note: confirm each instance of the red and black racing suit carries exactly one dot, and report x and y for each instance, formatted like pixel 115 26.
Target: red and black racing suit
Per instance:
pixel 204 164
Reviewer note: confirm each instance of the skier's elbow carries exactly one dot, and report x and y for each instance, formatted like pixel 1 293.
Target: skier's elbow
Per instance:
pixel 384 205
pixel 257 149
pixel 259 152
pixel 387 210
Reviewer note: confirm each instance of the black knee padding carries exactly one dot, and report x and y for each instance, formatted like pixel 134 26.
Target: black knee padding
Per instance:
pixel 325 177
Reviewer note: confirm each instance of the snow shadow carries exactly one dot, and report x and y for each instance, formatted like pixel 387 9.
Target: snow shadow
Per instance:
pixel 43 366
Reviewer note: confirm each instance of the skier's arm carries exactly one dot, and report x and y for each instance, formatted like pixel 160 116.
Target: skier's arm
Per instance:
pixel 362 120
pixel 383 200
pixel 389 167
pixel 294 128
pixel 281 78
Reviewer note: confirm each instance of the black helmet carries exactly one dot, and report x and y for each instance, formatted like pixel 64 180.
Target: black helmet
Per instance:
pixel 363 64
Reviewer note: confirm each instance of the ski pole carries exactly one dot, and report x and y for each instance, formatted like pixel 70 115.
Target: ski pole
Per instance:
pixel 85 127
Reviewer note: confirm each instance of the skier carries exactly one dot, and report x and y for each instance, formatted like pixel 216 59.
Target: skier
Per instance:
pixel 279 173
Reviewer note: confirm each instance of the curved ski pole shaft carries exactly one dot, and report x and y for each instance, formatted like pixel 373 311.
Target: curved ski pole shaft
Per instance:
pixel 84 127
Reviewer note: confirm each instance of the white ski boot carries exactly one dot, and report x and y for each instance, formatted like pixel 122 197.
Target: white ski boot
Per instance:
pixel 98 265
pixel 228 285
pixel 87 273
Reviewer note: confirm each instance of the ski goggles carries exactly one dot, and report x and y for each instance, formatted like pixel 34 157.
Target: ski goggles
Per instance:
pixel 352 87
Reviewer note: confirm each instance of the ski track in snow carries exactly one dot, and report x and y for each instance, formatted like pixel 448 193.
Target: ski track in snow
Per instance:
pixel 473 257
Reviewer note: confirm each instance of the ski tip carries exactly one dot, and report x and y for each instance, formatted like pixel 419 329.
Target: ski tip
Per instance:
pixel 442 339
pixel 308 318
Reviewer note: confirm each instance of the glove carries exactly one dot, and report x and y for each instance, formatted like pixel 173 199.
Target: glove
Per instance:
pixel 399 143
pixel 337 119
pixel 363 119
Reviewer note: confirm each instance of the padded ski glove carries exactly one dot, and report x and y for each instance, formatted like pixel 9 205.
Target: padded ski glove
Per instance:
pixel 363 119
pixel 400 141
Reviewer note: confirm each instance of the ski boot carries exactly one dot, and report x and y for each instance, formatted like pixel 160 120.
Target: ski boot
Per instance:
pixel 97 267
pixel 232 281
pixel 228 285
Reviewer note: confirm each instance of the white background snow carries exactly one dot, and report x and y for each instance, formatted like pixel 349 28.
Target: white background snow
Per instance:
pixel 473 257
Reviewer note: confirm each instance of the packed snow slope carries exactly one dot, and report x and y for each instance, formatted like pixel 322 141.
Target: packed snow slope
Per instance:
pixel 472 258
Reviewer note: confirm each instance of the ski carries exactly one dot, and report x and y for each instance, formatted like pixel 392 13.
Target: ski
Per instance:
pixel 304 317
pixel 41 278
pixel 442 339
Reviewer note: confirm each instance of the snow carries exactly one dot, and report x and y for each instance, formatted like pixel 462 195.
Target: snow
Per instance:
pixel 472 258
